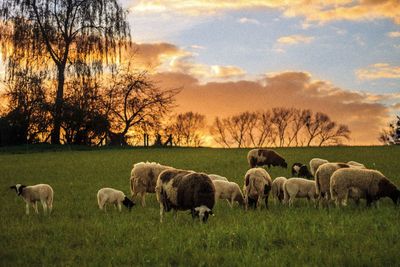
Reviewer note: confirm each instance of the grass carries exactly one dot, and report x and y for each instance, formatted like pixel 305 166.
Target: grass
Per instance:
pixel 78 234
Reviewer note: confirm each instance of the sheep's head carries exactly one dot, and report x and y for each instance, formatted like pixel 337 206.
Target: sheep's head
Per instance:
pixel 128 203
pixel 284 164
pixel 396 197
pixel 202 212
pixel 18 188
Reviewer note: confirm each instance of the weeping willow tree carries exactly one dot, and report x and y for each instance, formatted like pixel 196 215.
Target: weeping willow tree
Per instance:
pixel 61 36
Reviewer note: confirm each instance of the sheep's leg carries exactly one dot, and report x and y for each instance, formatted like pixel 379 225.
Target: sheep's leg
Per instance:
pixel 266 202
pixel 143 201
pixel 44 205
pixel 119 207
pixel 34 205
pixel 161 212
pixel 27 208
pixel 50 206
pixel 175 212
pixel 291 199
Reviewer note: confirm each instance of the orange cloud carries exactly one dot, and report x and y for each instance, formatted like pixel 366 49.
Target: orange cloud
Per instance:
pixel 379 71
pixel 295 39
pixel 312 10
pixel 359 111
pixel 394 34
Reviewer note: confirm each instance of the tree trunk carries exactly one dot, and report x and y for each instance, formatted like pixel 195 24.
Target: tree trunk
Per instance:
pixel 55 134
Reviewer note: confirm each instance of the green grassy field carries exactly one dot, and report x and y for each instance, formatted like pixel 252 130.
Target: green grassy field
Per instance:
pixel 78 234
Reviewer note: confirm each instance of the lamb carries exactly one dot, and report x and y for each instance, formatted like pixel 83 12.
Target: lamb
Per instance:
pixel 185 190
pixel 112 196
pixel 364 183
pixel 301 170
pixel 34 193
pixel 261 157
pixel 298 188
pixel 143 179
pixel 229 191
pixel 256 187
pixel 277 188
pixel 315 163
pixel 215 177
pixel 323 177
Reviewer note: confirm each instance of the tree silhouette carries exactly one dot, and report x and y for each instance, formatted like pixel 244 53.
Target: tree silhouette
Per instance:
pixel 64 33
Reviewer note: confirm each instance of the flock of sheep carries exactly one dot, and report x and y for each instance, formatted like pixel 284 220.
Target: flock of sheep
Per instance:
pixel 198 192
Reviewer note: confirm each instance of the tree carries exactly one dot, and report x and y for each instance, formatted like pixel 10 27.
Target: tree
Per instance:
pixel 298 123
pixel 219 133
pixel 281 118
pixel 132 100
pixel 391 134
pixel 27 115
pixel 187 128
pixel 63 32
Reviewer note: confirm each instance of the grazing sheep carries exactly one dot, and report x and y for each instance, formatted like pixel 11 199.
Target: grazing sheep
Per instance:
pixel 215 177
pixel 34 193
pixel 323 178
pixel 363 183
pixel 298 188
pixel 261 157
pixel 301 170
pixel 229 191
pixel 144 178
pixel 315 163
pixel 257 185
pixel 356 164
pixel 185 190
pixel 277 188
pixel 112 196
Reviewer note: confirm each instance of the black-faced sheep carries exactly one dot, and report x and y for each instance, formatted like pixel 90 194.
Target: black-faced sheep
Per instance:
pixel 34 193
pixel 144 178
pixel 229 191
pixel 369 184
pixel 185 190
pixel 277 188
pixel 301 170
pixel 262 157
pixel 299 188
pixel 315 163
pixel 112 196
pixel 257 185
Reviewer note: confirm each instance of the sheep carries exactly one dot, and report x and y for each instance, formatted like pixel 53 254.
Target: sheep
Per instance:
pixel 261 157
pixel 34 193
pixel 257 185
pixel 185 190
pixel 229 191
pixel 108 195
pixel 143 179
pixel 315 163
pixel 277 188
pixel 298 188
pixel 301 170
pixel 363 183
pixel 356 164
pixel 215 177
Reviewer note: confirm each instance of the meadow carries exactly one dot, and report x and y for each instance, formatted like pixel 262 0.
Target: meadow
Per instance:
pixel 78 234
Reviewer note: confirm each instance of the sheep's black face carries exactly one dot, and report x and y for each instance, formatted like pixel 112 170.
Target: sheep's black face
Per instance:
pixel 252 202
pixel 18 188
pixel 128 203
pixel 396 197
pixel 202 212
pixel 284 165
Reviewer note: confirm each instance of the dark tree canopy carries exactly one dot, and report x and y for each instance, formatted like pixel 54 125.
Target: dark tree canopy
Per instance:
pixel 57 35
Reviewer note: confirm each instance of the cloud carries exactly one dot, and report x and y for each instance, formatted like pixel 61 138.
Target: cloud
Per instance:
pixel 396 106
pixel 364 116
pixel 393 34
pixel 248 21
pixel 294 39
pixel 311 10
pixel 379 71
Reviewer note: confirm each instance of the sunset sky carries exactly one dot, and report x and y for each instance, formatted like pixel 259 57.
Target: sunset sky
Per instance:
pixel 340 57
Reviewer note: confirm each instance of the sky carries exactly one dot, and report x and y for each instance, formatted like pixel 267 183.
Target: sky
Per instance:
pixel 339 57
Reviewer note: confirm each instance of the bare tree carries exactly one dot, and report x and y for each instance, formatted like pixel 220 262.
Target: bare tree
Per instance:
pixel 281 118
pixel 299 121
pixel 333 133
pixel 238 127
pixel 219 132
pixel 133 101
pixel 261 131
pixel 187 128
pixel 62 32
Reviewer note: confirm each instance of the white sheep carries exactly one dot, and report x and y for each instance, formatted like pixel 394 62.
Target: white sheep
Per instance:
pixel 112 196
pixel 298 188
pixel 277 188
pixel 257 185
pixel 229 191
pixel 34 193
pixel 315 163
pixel 215 177
pixel 356 164
pixel 144 178
pixel 361 183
